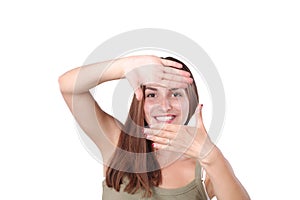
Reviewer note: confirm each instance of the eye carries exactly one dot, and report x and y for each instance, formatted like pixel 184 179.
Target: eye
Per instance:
pixel 151 95
pixel 176 94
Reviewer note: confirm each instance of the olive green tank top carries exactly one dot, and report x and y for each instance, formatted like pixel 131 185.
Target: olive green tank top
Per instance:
pixel 192 191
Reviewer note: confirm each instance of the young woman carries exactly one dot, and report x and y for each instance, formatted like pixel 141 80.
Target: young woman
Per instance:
pixel 154 155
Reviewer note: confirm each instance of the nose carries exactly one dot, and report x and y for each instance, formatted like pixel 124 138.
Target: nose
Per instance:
pixel 165 104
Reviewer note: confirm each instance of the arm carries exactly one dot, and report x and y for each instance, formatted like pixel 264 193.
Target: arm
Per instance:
pixel 222 180
pixel 75 85
pixel 102 128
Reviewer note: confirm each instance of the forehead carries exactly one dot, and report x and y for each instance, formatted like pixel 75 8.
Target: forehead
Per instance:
pixel 157 87
pixel 163 89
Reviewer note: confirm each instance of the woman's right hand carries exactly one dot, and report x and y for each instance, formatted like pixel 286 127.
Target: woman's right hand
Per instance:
pixel 142 70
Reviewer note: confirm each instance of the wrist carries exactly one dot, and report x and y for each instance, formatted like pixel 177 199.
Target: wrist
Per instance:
pixel 125 65
pixel 206 147
pixel 131 62
pixel 116 68
pixel 210 156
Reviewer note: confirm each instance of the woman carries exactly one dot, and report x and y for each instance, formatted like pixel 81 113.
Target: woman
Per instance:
pixel 154 155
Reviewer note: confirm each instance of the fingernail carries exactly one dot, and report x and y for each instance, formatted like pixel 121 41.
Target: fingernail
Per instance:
pixel 153 145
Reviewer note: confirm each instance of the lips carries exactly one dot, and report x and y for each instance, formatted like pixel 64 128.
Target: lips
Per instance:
pixel 165 118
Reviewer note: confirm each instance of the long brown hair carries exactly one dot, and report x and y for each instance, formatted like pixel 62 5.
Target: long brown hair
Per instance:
pixel 133 159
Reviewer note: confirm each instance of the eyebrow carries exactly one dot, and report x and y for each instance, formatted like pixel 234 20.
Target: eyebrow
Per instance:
pixel 154 89
pixel 150 88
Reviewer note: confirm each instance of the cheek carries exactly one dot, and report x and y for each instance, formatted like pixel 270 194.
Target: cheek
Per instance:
pixel 147 108
pixel 183 106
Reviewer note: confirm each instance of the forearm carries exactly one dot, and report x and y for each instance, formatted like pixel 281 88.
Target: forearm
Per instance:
pixel 224 182
pixel 81 79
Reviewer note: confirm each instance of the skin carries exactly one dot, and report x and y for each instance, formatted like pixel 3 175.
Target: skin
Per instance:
pixel 169 106
pixel 164 105
pixel 105 130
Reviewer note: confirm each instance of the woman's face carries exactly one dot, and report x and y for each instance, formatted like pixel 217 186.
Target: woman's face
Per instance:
pixel 165 105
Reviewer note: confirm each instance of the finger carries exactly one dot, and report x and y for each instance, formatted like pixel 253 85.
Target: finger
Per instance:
pixel 138 93
pixel 178 72
pixel 166 84
pixel 171 63
pixel 173 84
pixel 157 139
pixel 166 147
pixel 160 133
pixel 150 131
pixel 174 128
pixel 176 78
pixel 198 115
pixel 159 146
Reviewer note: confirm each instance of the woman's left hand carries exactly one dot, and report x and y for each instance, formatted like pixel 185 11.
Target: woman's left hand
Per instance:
pixel 194 142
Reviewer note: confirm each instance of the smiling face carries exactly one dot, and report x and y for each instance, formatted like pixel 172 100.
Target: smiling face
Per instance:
pixel 165 105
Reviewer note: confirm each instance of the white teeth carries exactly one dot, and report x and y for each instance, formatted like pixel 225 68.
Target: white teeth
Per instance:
pixel 165 118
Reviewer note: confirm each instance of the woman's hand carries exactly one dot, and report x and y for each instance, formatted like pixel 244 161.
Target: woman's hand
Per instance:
pixel 141 70
pixel 194 142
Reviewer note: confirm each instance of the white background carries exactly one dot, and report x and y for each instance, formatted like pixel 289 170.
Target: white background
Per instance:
pixel 255 46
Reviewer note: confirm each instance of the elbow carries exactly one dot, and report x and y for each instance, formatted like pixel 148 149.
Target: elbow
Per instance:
pixel 60 82
pixel 63 83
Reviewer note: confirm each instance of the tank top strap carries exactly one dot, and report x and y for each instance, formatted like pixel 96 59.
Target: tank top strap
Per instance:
pixel 198 171
pixel 199 178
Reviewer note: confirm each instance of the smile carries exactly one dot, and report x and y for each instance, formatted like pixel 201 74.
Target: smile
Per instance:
pixel 166 118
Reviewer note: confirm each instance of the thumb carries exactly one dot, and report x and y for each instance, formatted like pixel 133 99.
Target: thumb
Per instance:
pixel 198 116
pixel 138 93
